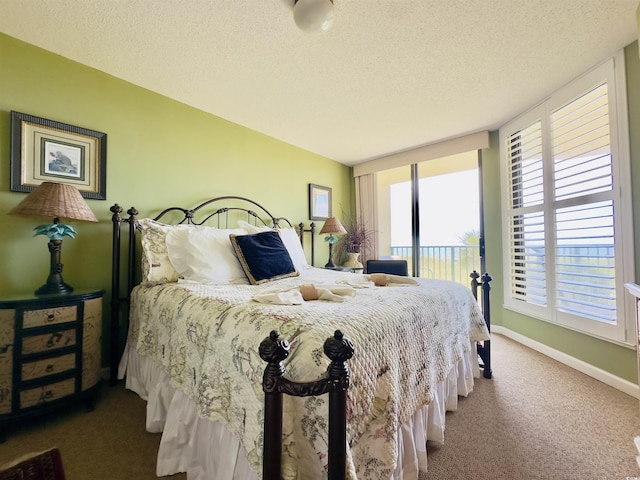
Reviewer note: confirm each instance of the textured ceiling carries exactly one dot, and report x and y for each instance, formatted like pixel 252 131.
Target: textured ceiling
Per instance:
pixel 390 76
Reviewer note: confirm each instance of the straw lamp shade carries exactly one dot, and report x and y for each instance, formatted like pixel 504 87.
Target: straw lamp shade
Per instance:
pixel 332 227
pixel 55 200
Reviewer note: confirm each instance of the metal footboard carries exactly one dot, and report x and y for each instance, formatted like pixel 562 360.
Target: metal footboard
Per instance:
pixel 274 350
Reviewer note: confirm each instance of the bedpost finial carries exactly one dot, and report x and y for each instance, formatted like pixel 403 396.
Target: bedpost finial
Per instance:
pixel 339 348
pixel 273 349
pixel 116 210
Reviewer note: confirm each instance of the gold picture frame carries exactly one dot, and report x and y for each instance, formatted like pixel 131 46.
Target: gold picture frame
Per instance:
pixel 44 150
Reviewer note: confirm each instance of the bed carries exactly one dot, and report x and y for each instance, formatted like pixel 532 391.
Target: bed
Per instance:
pixel 195 321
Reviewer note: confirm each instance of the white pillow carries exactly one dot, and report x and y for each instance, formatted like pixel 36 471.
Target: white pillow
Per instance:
pixel 205 255
pixel 290 239
pixel 156 267
pixel 292 243
pixel 251 228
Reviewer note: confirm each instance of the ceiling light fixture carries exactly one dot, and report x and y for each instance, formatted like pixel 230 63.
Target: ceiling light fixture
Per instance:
pixel 313 16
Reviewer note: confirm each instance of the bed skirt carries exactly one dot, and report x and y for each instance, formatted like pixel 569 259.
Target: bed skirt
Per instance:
pixel 205 449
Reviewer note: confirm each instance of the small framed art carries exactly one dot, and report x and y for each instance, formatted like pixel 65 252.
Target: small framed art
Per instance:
pixel 48 151
pixel 319 202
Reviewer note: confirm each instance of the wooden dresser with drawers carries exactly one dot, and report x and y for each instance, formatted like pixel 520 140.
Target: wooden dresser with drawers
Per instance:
pixel 49 353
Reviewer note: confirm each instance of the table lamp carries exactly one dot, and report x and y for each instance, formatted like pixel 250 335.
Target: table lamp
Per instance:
pixel 333 227
pixel 55 200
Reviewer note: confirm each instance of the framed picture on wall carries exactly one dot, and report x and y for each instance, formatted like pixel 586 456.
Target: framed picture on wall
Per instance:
pixel 48 151
pixel 319 202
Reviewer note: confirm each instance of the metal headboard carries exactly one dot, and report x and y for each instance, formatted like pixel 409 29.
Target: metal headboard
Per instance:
pixel 256 214
pixel 252 217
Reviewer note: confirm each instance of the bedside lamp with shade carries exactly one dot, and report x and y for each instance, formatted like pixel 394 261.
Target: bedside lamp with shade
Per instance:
pixel 332 227
pixel 55 200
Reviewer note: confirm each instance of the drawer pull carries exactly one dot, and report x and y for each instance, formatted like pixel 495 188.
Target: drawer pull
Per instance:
pixel 54 339
pixel 51 317
pixel 49 368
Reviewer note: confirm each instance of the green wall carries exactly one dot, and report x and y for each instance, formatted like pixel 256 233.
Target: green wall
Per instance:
pixel 159 153
pixel 617 360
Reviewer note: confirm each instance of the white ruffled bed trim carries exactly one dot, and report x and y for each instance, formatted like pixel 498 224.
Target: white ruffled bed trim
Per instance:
pixel 205 449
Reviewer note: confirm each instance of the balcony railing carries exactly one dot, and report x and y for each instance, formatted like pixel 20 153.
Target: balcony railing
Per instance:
pixel 444 262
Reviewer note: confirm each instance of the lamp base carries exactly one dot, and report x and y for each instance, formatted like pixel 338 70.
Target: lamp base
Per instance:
pixel 54 289
pixel 55 285
pixel 330 264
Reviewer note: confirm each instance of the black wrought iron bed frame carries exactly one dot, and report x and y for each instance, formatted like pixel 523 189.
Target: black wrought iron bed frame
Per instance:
pixel 273 349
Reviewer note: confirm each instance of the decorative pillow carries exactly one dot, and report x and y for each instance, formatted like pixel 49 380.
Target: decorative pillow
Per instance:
pixel 156 267
pixel 205 255
pixel 263 257
pixel 290 239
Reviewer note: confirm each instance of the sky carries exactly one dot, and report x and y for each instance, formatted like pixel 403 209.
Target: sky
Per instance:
pixel 448 209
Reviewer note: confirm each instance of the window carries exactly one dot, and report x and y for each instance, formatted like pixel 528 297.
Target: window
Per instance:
pixel 567 223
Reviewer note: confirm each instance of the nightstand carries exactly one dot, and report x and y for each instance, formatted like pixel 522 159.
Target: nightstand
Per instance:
pixel 49 353
pixel 341 268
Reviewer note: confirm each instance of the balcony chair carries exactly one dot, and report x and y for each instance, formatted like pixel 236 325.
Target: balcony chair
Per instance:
pixel 392 267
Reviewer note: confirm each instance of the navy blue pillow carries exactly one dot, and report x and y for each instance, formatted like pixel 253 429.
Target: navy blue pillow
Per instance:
pixel 263 257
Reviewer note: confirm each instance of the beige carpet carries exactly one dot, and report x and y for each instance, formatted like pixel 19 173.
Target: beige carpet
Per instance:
pixel 536 419
pixel 109 443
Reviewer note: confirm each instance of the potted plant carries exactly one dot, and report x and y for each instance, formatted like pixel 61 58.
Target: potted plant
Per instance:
pixel 356 242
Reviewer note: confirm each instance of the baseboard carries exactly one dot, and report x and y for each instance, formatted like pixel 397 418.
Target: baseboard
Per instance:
pixel 605 377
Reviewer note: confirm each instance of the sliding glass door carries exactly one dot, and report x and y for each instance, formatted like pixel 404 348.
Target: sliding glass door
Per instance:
pixel 429 214
pixel 395 213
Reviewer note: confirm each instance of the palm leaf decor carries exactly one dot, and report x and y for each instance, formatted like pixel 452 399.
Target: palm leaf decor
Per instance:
pixel 55 231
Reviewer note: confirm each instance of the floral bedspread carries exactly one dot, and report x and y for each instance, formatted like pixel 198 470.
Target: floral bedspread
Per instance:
pixel 407 338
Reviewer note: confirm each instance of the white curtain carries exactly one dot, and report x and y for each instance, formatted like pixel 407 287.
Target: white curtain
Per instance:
pixel 367 210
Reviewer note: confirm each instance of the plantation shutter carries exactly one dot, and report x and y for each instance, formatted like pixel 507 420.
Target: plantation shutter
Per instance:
pixel 583 197
pixel 568 224
pixel 526 227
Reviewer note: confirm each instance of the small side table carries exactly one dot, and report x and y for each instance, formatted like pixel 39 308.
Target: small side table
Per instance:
pixel 341 268
pixel 49 353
